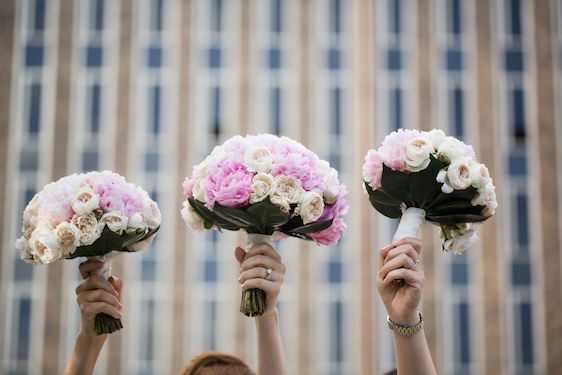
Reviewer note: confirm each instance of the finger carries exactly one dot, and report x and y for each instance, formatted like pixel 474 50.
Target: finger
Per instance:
pixel 261 261
pixel 268 286
pixel 401 261
pixel 412 278
pixel 96 282
pixel 412 241
pixel 91 309
pixel 99 295
pixel 89 266
pixel 117 284
pixel 259 273
pixel 402 249
pixel 386 249
pixel 264 249
pixel 239 254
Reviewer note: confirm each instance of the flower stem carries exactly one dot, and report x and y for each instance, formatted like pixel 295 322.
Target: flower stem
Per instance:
pixel 107 324
pixel 252 302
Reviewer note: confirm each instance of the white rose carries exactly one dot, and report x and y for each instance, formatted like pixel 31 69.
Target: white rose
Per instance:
pixel 458 237
pixel 28 227
pixel 45 245
pixel 151 213
pixel 25 251
pixel 136 221
pixel 86 201
pixel 312 207
pixel 198 190
pixel 288 188
pixel 90 228
pixel 258 159
pixel 263 185
pixel 68 235
pixel 449 150
pixel 480 175
pixel 116 222
pixel 459 173
pixel 192 219
pixel 417 154
pixel 281 202
pixel 332 186
pixel 436 138
pixel 486 197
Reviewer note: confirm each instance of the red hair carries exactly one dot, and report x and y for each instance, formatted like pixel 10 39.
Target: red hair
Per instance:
pixel 213 363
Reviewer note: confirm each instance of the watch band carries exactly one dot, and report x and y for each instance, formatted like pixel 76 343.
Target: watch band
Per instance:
pixel 406 330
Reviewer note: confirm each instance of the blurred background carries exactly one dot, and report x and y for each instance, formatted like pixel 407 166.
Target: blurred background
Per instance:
pixel 148 87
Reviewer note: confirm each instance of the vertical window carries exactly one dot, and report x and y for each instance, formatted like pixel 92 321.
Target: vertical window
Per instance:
pixel 276 109
pixel 34 108
pixel 95 95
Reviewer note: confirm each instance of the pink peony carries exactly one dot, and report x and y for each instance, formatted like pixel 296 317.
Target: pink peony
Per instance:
pixel 330 235
pixel 228 183
pixel 393 148
pixel 304 166
pixel 372 169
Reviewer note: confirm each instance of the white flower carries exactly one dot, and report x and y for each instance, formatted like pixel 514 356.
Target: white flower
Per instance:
pixel 192 219
pixel 417 154
pixel 458 237
pixel 45 245
pixel 288 188
pixel 151 214
pixel 23 246
pixel 480 175
pixel 90 228
pixel 136 221
pixel 312 207
pixel 332 185
pixel 116 222
pixel 29 225
pixel 68 235
pixel 449 150
pixel 198 190
pixel 258 159
pixel 281 202
pixel 436 138
pixel 457 176
pixel 86 201
pixel 486 197
pixel 263 185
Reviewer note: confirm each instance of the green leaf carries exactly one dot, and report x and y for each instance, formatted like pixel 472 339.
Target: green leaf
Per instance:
pixel 456 218
pixel 109 241
pixel 391 211
pixel 268 215
pixel 384 203
pixel 210 217
pixel 423 184
pixel 397 185
pixel 236 216
pixel 312 227
pixel 455 195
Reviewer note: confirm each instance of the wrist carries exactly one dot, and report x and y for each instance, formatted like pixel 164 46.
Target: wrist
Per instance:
pixel 90 337
pixel 406 319
pixel 268 315
pixel 405 329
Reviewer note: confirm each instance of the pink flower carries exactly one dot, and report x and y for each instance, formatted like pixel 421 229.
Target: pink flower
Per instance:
pixel 372 169
pixel 228 183
pixel 330 235
pixel 304 166
pixel 337 209
pixel 393 148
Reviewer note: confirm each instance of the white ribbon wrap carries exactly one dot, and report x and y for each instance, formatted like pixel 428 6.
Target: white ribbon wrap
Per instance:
pixel 410 223
pixel 256 239
pixel 107 259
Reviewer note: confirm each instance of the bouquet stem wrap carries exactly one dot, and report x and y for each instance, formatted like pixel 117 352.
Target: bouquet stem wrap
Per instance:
pixel 105 323
pixel 410 223
pixel 253 302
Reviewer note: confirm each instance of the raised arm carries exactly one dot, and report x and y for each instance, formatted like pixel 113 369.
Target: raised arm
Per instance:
pixel 254 274
pixel 402 260
pixel 95 295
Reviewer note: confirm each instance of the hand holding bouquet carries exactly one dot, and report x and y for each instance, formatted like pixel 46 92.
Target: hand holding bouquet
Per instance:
pixel 421 176
pixel 265 185
pixel 88 215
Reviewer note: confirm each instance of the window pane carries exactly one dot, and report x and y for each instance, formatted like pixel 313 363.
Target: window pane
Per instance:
pixel 276 16
pixel 276 109
pixel 34 56
pixel 156 100
pixel 335 16
pixel 24 322
pixel 39 21
pixel 336 110
pixel 464 333
pixel 394 59
pixel 95 108
pixel 34 108
pixel 526 330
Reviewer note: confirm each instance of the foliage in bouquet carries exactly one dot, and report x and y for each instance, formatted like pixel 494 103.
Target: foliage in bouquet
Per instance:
pixel 88 215
pixel 435 173
pixel 266 184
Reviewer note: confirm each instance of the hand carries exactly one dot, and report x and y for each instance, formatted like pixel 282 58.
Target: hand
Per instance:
pixel 401 260
pixel 253 271
pixel 97 295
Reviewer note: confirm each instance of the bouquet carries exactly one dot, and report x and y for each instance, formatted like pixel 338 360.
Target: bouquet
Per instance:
pixel 88 215
pixel 420 176
pixel 265 185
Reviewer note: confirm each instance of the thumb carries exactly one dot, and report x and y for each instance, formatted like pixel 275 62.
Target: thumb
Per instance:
pixel 240 254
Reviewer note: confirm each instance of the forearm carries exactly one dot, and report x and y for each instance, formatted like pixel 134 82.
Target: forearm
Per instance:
pixel 85 354
pixel 271 356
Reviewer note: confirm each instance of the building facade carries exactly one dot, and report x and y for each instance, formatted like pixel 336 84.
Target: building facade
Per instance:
pixel 148 87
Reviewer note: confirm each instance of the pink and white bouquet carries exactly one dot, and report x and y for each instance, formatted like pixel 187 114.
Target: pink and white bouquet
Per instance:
pixel 418 176
pixel 88 215
pixel 265 185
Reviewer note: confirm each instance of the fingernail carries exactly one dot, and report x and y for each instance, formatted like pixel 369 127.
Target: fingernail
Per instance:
pixel 120 313
pixel 115 293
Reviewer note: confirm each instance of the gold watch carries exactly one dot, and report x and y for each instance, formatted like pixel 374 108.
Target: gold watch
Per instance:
pixel 406 330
